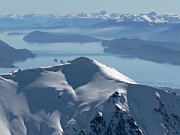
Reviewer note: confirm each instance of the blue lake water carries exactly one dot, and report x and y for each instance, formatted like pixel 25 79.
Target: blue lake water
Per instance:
pixel 141 71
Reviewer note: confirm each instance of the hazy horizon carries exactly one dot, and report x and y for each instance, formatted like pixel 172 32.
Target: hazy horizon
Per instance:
pixel 64 7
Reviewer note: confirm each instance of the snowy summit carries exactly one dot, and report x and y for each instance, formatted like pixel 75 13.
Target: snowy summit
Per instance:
pixel 83 97
pixel 36 20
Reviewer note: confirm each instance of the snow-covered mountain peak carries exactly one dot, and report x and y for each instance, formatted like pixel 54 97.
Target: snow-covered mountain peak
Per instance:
pixel 100 68
pixel 36 20
pixel 83 96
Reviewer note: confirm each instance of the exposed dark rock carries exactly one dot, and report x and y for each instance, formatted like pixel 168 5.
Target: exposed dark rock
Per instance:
pixel 121 122
pixel 170 122
pixel 98 124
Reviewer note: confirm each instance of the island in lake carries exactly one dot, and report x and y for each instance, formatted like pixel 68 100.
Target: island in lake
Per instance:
pixel 160 52
pixel 46 37
pixel 8 55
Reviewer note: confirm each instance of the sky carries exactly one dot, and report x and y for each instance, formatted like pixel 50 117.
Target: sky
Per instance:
pixel 63 7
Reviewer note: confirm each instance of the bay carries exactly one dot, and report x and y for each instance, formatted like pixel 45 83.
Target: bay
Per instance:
pixel 141 71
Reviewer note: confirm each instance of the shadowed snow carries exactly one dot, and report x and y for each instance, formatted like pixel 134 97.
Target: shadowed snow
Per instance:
pixel 83 96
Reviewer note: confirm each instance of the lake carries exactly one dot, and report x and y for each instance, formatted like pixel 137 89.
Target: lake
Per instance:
pixel 141 71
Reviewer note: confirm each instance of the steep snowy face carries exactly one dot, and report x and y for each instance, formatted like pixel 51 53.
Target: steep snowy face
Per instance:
pixel 83 96
pixel 114 118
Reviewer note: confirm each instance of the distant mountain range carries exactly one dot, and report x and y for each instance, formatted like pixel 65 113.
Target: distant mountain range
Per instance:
pixel 84 97
pixel 170 34
pixel 101 19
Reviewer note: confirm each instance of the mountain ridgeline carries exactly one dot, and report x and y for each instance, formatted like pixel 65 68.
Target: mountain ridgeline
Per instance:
pixel 83 97
pixel 84 20
pixel 9 55
pixel 46 37
pixel 160 52
pixel 151 26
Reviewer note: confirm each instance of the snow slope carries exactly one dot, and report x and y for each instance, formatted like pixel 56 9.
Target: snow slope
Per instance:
pixel 83 96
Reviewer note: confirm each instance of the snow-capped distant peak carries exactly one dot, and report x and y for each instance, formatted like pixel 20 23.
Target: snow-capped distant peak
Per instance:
pixel 55 20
